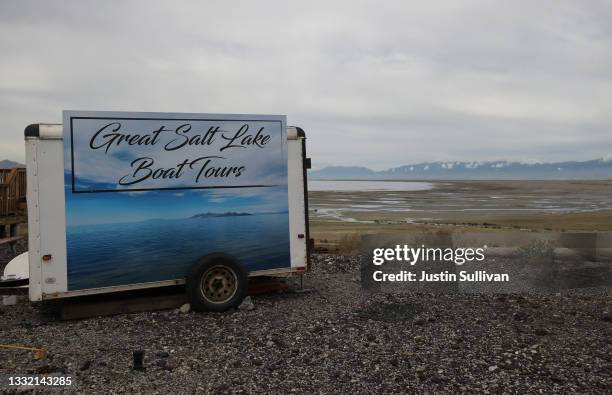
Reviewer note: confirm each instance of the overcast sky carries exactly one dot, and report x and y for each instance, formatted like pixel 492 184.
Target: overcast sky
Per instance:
pixel 374 83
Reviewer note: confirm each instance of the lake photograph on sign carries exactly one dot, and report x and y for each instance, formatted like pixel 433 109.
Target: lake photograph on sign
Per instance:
pixel 146 197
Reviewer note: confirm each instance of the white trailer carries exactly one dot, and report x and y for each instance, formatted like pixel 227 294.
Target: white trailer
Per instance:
pixel 122 201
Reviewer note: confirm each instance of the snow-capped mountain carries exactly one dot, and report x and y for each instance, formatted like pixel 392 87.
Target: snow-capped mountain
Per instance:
pixel 596 169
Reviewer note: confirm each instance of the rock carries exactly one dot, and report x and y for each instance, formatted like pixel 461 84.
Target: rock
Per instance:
pixel 46 369
pixel 606 316
pixel 557 319
pixel 163 363
pixel 247 304
pixel 9 300
pixel 519 316
pixel 222 388
pixel 419 321
pixel 541 331
pixel 185 308
pixel 436 378
pixel 162 354
pixel 85 365
pixel 493 368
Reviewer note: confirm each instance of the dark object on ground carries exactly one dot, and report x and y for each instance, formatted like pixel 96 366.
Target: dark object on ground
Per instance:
pixel 138 357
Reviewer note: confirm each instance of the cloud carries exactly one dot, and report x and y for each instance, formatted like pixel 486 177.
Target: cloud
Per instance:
pixel 372 84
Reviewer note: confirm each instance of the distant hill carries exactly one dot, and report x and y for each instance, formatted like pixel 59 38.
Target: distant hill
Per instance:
pixel 597 169
pixel 343 172
pixel 9 164
pixel 214 215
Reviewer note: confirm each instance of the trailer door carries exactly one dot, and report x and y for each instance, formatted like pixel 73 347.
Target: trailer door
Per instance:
pixel 298 198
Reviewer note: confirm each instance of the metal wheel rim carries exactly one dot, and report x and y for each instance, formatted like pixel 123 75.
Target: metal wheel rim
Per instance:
pixel 219 284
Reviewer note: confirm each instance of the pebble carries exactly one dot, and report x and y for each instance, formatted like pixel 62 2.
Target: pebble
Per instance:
pixel 247 304
pixel 336 339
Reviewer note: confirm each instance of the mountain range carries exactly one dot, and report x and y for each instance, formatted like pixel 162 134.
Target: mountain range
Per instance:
pixel 9 164
pixel 597 169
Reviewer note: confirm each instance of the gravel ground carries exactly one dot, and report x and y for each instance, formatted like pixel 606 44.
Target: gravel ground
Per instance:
pixel 333 339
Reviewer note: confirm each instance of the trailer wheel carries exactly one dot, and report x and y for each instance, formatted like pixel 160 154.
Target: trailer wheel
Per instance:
pixel 216 283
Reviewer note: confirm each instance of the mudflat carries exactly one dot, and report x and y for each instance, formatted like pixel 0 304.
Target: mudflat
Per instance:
pixel 463 206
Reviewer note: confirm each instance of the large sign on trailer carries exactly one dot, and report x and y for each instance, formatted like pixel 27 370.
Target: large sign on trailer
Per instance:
pixel 119 152
pixel 147 194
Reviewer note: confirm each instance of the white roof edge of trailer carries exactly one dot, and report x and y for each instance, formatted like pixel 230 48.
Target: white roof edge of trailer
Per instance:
pixel 50 131
pixel 292 133
pixel 45 131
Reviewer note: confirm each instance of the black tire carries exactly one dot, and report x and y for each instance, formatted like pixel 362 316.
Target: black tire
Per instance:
pixel 217 282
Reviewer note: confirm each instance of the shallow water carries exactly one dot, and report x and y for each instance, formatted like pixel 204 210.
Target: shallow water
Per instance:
pixel 365 186
pixel 448 201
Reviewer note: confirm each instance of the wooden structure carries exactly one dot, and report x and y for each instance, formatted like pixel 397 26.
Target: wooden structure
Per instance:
pixel 13 209
pixel 12 191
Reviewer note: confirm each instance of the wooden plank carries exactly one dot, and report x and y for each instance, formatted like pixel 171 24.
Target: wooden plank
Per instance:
pixel 10 240
pixel 14 291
